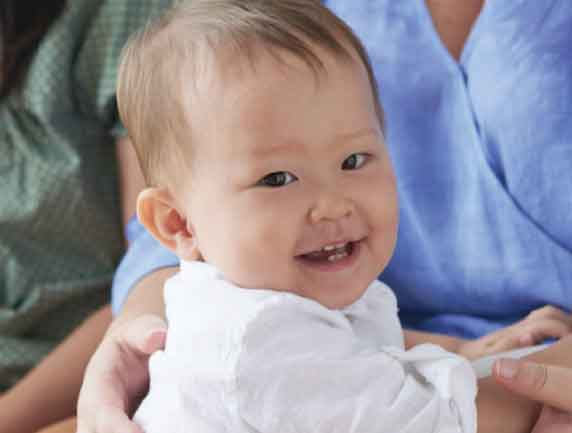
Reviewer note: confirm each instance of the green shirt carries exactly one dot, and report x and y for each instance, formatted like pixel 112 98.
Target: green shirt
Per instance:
pixel 60 229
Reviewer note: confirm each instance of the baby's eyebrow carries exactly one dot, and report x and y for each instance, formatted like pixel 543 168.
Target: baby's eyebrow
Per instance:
pixel 339 139
pixel 354 135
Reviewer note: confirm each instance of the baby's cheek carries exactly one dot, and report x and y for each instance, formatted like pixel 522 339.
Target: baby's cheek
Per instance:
pixel 379 199
pixel 257 246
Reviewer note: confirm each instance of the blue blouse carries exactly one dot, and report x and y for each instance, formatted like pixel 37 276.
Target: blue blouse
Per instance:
pixel 482 149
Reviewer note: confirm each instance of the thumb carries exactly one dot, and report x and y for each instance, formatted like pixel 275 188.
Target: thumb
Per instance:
pixel 145 334
pixel 545 384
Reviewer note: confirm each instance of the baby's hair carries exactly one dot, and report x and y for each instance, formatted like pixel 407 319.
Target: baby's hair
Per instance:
pixel 155 59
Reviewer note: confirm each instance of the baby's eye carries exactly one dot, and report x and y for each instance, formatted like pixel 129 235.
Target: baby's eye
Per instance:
pixel 277 179
pixel 354 161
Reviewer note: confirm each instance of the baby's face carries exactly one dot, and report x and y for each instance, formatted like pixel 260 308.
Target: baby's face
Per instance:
pixel 292 187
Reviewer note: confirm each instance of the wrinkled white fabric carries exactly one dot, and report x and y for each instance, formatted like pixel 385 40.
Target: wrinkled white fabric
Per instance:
pixel 260 361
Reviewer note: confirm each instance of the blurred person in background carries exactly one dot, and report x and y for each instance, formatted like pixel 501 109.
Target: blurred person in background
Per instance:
pixel 60 212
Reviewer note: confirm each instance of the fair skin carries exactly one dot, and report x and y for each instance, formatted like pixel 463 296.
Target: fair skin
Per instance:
pixel 295 196
pixel 526 378
pixel 453 21
pixel 541 382
pixel 532 379
pixel 497 392
pixel 139 331
pixel 25 409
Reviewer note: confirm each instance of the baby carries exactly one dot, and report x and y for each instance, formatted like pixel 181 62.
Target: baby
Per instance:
pixel 259 131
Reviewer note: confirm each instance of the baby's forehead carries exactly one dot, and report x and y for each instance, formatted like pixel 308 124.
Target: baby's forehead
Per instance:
pixel 228 73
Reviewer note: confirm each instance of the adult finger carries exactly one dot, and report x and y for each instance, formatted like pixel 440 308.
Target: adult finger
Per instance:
pixel 553 420
pixel 117 422
pixel 551 328
pixel 543 383
pixel 116 375
pixel 508 343
pixel 113 421
pixel 145 334
pixel 550 312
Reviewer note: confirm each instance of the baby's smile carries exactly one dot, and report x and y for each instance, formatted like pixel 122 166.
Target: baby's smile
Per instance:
pixel 333 256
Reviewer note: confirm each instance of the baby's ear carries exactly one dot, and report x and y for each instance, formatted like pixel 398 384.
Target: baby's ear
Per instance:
pixel 157 211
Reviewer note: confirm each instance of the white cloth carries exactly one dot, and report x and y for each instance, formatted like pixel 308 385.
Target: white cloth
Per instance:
pixel 260 361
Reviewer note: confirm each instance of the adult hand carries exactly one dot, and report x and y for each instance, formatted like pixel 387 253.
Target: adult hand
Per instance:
pixel 543 323
pixel 546 384
pixel 117 376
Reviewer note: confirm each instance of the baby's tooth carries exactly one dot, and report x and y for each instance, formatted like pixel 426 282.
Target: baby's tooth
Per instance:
pixel 337 256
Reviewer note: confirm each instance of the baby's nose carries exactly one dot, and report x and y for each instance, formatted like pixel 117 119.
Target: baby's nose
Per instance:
pixel 331 207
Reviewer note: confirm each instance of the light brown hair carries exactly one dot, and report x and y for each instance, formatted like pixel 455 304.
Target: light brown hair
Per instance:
pixel 155 59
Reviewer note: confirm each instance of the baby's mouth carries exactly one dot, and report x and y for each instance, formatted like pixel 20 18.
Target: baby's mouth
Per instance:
pixel 330 253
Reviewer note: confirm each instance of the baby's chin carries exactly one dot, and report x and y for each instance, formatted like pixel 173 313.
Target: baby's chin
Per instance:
pixel 333 290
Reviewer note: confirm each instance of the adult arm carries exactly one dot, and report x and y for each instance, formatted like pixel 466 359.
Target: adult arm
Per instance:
pixel 49 392
pixel 413 338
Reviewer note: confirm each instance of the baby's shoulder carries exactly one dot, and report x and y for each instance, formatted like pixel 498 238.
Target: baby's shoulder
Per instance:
pixel 379 296
pixel 200 299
